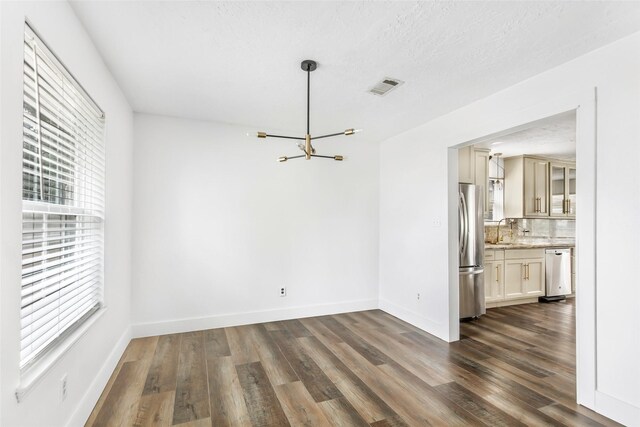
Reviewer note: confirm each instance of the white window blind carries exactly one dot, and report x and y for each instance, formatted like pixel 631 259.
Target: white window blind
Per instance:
pixel 63 202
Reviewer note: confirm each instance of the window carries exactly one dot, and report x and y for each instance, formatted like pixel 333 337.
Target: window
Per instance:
pixel 62 203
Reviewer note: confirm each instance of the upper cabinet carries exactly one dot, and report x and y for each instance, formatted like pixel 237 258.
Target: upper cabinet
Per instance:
pixel 473 168
pixel 537 187
pixel 562 189
pixel 466 170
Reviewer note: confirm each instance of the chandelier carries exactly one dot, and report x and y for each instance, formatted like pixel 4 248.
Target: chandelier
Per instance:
pixel 307 65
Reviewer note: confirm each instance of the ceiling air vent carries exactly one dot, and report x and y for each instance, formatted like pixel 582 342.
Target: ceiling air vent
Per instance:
pixel 385 86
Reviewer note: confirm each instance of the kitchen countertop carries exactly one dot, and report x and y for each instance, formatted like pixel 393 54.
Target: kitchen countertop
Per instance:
pixel 559 243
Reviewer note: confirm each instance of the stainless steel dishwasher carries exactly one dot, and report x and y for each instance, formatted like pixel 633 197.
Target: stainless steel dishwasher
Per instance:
pixel 557 274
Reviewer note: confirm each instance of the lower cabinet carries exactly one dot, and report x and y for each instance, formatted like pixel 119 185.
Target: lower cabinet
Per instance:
pixel 494 280
pixel 524 278
pixel 512 275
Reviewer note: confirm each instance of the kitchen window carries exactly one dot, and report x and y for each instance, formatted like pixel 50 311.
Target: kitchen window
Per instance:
pixel 63 168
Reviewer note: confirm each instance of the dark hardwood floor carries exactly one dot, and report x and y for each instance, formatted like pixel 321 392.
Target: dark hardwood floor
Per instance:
pixel 515 366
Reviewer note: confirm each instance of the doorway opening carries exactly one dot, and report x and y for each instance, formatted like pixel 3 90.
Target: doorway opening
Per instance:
pixel 524 311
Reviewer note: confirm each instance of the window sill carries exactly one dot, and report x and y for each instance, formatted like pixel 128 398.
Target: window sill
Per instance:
pixel 30 377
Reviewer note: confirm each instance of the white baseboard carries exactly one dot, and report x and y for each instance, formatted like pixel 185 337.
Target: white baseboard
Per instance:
pixel 90 398
pixel 237 319
pixel 617 410
pixel 415 319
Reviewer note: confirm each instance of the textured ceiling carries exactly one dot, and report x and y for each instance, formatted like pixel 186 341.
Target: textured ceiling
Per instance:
pixel 238 62
pixel 553 137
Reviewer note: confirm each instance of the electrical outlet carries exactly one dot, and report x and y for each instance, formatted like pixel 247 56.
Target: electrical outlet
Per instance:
pixel 283 291
pixel 63 390
pixel 418 295
pixel 436 222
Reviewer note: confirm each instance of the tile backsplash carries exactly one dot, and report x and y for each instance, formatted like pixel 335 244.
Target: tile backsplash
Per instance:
pixel 526 228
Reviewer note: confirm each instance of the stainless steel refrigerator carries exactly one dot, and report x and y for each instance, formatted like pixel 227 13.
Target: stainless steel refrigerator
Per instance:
pixel 471 246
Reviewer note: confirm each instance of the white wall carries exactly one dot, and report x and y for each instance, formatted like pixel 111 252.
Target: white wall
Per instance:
pixel 413 194
pixel 219 226
pixel 90 361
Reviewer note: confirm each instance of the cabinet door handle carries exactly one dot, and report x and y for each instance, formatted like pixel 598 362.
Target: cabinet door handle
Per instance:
pixel 497 273
pixel 568 206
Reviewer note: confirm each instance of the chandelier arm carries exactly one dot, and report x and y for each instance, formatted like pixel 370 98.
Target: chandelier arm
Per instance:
pixel 285 137
pixel 327 136
pixel 296 157
pixel 324 157
pixel 302 147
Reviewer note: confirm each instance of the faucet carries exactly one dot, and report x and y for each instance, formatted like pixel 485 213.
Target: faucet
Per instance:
pixel 498 232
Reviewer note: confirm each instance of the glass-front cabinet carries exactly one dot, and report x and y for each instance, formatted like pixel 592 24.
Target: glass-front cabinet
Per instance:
pixel 562 194
pixel 571 191
pixel 558 187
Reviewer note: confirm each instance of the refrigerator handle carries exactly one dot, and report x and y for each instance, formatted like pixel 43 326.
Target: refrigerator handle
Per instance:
pixel 460 222
pixel 463 223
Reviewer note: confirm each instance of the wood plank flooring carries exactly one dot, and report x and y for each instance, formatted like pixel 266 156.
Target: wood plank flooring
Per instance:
pixel 513 367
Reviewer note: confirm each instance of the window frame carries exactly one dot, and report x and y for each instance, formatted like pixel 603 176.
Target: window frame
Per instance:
pixel 64 338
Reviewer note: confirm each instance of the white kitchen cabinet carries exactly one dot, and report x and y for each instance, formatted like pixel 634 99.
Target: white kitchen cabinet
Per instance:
pixel 536 185
pixel 473 168
pixel 494 281
pixel 524 273
pixel 535 281
pixel 562 189
pixel 513 276
pixel 526 186
pixel 466 173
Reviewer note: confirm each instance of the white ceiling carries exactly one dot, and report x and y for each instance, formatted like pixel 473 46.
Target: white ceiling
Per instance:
pixel 238 62
pixel 553 137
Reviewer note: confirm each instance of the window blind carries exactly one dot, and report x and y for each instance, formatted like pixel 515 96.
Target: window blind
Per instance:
pixel 63 167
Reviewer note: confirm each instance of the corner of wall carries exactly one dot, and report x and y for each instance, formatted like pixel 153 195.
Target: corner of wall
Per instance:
pixel 90 398
pixel 415 319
